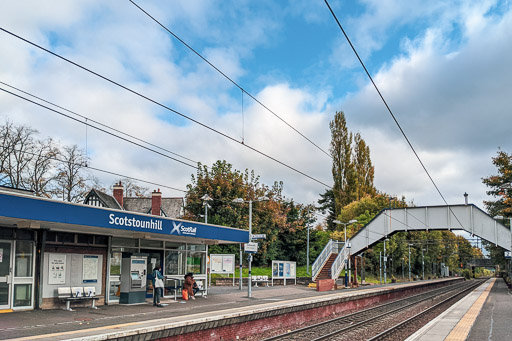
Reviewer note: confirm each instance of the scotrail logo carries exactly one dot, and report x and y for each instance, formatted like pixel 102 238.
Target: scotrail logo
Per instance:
pixel 179 229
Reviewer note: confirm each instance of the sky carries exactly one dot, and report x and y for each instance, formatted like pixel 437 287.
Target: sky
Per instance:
pixel 444 68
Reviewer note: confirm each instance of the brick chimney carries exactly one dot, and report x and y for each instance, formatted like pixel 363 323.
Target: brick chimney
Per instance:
pixel 156 202
pixel 118 193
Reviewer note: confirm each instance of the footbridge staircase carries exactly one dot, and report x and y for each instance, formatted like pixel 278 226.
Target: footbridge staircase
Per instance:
pixel 469 218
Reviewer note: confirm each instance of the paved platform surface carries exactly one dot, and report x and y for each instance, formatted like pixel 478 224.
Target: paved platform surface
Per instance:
pixel 484 314
pixel 90 324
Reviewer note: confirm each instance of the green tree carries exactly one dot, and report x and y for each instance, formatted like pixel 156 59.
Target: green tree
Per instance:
pixel 343 172
pixel 364 169
pixel 500 186
pixel 501 189
pixel 283 221
pixel 327 205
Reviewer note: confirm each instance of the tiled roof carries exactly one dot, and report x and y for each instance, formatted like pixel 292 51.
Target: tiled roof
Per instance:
pixel 108 200
pixel 171 207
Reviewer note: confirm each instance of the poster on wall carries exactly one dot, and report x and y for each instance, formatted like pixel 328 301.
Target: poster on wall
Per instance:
pixel 281 270
pixel 274 270
pixel 292 269
pixel 90 269
pixel 227 264
pixel 216 264
pixel 287 267
pixel 56 268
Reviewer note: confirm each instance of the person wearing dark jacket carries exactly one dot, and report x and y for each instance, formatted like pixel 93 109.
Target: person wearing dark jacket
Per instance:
pixel 157 285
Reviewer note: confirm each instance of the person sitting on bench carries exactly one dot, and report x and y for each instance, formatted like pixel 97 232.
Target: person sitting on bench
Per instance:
pixel 189 285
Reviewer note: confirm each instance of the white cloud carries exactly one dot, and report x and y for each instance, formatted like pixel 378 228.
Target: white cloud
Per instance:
pixel 450 90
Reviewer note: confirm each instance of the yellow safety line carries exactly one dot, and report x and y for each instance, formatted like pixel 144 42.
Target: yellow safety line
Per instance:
pixel 6 311
pixel 461 331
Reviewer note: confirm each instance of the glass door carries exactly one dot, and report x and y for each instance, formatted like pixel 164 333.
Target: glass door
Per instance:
pixel 5 274
pixel 23 281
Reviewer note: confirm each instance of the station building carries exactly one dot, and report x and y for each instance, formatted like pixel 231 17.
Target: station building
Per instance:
pixel 47 244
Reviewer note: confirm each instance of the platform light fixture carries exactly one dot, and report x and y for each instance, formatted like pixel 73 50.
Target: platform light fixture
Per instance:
pixel 205 199
pixel 241 201
pixel 345 243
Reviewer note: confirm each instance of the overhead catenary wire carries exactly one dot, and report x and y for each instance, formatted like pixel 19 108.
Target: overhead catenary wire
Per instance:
pixel 97 128
pixel 96 122
pixel 389 109
pixel 85 165
pixel 162 106
pixel 229 78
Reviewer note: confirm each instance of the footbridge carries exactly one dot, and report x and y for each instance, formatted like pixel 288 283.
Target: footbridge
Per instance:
pixel 468 218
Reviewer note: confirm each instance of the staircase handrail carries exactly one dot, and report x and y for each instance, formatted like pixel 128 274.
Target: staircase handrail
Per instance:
pixel 339 262
pixel 322 259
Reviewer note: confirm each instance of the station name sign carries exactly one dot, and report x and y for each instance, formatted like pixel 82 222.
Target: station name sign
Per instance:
pixel 178 228
pixel 134 222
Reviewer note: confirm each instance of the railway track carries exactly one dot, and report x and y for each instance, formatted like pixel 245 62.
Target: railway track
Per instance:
pixel 382 319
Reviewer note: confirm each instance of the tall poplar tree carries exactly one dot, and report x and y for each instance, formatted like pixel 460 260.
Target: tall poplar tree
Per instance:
pixel 363 168
pixel 343 172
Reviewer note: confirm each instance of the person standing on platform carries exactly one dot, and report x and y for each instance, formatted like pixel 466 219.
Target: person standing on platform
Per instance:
pixel 158 285
pixel 189 285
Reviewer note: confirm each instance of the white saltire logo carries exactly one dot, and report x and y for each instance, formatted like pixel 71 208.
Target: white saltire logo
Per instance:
pixel 176 228
pixel 180 229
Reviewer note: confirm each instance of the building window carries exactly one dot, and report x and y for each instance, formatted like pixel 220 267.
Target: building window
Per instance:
pixel 174 263
pixel 22 295
pixel 24 259
pixel 64 237
pixel 101 240
pixel 116 241
pixel 196 262
pixel 154 244
pixel 85 239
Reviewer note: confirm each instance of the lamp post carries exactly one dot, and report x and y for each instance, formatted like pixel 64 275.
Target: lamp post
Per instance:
pixel 510 227
pixel 422 264
pixel 385 261
pixel 345 243
pixel 410 262
pixel 205 199
pixel 239 201
pixel 307 253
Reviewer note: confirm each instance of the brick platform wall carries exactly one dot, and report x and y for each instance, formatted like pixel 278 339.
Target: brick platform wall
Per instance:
pixel 284 318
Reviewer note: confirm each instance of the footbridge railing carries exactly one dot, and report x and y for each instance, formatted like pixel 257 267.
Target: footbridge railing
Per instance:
pixel 340 262
pixel 322 258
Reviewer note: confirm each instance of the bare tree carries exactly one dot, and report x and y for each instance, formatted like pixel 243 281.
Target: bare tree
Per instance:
pixel 131 189
pixel 41 173
pixel 72 177
pixel 18 150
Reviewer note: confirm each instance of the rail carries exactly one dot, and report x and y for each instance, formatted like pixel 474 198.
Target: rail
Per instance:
pixel 322 258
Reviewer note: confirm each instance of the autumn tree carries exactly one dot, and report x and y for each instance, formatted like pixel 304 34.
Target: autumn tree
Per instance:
pixel 352 170
pixel 500 186
pixel 283 221
pixel 501 189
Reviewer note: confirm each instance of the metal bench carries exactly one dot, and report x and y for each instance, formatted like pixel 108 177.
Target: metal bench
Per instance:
pixel 201 290
pixel 74 294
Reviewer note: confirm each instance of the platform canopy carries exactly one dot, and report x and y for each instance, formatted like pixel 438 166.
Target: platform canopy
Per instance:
pixel 24 211
pixel 469 218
